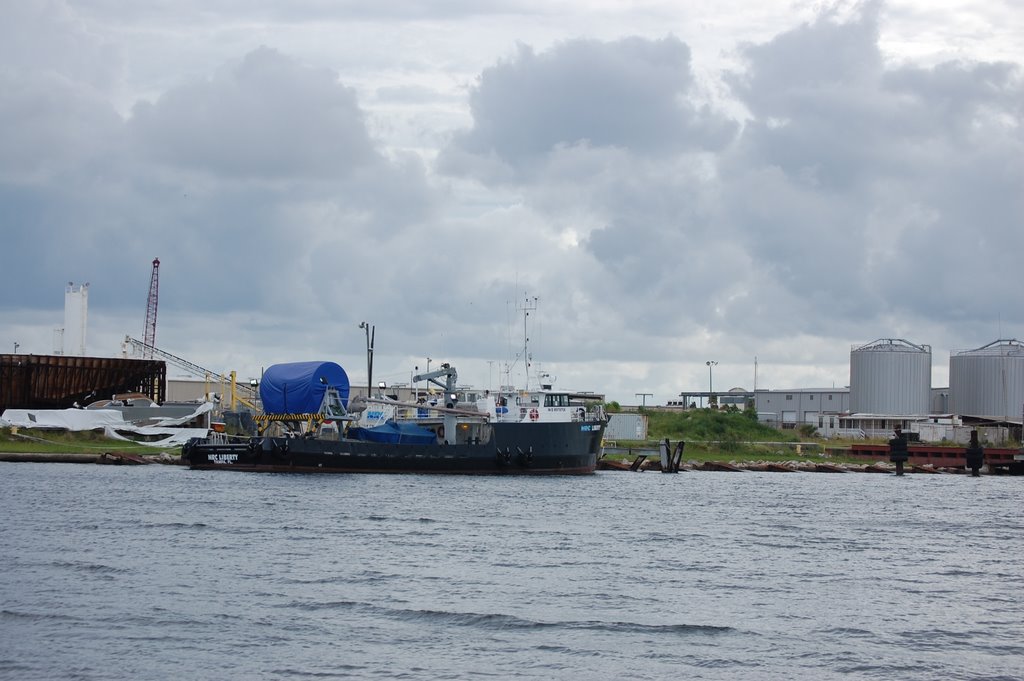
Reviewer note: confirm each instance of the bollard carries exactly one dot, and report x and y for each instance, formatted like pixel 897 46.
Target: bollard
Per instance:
pixel 975 455
pixel 898 450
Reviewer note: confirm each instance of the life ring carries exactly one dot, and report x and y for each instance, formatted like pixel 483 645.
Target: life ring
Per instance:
pixel 534 414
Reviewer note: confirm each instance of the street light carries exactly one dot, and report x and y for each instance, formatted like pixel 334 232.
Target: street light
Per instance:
pixel 711 364
pixel 16 346
pixel 370 334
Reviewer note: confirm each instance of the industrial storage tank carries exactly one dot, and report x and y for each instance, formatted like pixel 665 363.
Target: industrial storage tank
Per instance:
pixel 988 381
pixel 891 376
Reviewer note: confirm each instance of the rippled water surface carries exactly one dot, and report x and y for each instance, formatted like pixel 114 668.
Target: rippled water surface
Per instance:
pixel 159 572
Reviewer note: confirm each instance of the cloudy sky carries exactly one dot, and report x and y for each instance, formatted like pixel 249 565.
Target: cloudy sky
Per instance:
pixel 666 183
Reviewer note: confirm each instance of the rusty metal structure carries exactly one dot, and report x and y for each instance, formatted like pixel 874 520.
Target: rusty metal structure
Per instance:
pixel 61 381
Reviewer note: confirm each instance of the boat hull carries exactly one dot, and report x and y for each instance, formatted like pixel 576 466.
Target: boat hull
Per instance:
pixel 515 449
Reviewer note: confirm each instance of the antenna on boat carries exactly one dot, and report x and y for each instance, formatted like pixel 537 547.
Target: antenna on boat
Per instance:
pixel 529 305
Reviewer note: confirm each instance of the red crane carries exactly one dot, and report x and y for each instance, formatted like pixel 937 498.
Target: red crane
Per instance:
pixel 149 337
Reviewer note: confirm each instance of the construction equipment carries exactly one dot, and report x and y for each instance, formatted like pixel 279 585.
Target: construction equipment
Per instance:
pixel 149 337
pixel 230 379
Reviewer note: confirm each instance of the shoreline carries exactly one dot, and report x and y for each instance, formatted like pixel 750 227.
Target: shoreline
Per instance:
pixel 110 458
pixel 794 466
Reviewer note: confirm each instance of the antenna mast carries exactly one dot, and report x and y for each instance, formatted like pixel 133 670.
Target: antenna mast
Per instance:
pixel 530 305
pixel 149 337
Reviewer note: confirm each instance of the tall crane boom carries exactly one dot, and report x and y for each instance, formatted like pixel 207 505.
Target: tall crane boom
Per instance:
pixel 149 337
pixel 195 369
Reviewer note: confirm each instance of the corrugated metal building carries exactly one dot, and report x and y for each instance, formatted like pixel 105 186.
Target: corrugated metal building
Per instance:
pixel 988 381
pixel 891 376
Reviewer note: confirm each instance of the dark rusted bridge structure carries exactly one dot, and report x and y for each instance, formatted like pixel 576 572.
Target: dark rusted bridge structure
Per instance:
pixel 61 381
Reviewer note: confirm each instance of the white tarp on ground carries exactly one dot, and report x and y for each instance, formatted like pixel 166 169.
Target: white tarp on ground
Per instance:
pixel 65 419
pixel 178 437
pixel 110 420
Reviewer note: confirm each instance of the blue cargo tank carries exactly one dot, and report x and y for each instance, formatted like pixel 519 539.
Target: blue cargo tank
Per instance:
pixel 299 387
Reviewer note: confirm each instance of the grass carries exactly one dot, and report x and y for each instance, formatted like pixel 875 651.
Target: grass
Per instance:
pixel 38 441
pixel 712 435
pixel 724 427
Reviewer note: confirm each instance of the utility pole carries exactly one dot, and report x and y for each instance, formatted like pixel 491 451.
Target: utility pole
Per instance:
pixel 371 332
pixel 711 386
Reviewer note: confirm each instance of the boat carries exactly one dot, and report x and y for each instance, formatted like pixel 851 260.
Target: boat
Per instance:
pixel 309 424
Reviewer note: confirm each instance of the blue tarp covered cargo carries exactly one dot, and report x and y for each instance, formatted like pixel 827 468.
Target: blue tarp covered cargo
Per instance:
pixel 395 433
pixel 299 387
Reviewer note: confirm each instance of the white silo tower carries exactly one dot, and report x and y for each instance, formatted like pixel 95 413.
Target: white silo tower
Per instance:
pixel 988 381
pixel 891 376
pixel 76 316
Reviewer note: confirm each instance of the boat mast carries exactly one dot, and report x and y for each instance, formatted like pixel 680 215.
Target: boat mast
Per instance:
pixel 529 305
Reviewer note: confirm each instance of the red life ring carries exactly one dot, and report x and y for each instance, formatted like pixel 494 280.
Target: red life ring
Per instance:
pixel 534 414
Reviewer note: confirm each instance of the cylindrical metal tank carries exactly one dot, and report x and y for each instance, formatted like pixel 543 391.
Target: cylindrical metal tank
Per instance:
pixel 891 376
pixel 988 381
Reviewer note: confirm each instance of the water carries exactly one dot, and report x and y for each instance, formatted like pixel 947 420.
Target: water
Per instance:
pixel 160 572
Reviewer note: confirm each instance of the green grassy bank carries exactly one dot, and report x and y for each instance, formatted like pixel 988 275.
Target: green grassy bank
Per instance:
pixel 729 435
pixel 38 441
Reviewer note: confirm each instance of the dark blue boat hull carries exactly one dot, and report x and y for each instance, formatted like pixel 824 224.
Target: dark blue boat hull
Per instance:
pixel 515 449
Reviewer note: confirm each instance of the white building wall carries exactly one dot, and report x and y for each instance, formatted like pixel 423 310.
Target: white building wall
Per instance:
pixel 790 408
pixel 76 311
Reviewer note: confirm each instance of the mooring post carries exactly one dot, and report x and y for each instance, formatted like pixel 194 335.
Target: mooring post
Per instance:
pixel 665 450
pixel 975 455
pixel 677 456
pixel 898 450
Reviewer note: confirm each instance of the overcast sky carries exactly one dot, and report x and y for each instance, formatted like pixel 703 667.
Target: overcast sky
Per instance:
pixel 667 183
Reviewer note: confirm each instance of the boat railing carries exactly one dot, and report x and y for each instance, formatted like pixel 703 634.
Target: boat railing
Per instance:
pixel 403 411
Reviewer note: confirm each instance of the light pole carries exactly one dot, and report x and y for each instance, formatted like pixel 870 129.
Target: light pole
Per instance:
pixel 16 346
pixel 370 334
pixel 711 386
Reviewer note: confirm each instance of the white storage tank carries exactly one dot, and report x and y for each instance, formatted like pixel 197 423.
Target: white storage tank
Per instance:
pixel 891 376
pixel 988 381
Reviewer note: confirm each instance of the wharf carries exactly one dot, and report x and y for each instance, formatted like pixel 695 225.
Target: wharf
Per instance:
pixel 874 458
pixel 1001 459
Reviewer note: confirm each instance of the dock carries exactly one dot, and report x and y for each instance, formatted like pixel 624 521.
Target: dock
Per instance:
pixel 997 459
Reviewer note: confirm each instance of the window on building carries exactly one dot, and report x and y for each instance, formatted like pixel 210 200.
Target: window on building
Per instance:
pixel 789 397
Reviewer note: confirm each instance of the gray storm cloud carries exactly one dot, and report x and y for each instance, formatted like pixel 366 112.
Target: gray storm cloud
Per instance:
pixel 826 194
